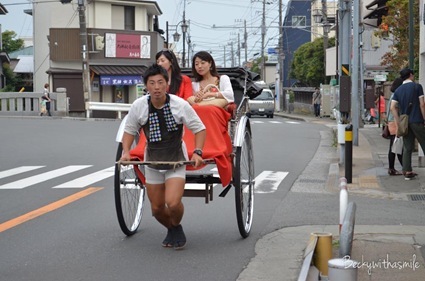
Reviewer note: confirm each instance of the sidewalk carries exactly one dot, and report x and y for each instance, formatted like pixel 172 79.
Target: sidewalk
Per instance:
pixel 386 252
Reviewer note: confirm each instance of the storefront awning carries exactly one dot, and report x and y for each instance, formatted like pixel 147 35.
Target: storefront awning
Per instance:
pixel 123 70
pixel 111 75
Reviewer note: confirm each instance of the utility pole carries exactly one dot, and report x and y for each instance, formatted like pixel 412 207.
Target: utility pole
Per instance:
pixel 84 54
pixel 239 49
pixel 184 30
pixel 411 35
pixel 184 37
pixel 355 69
pixel 232 54
pixel 281 58
pixel 224 55
pixel 245 38
pixel 263 36
pixel 325 34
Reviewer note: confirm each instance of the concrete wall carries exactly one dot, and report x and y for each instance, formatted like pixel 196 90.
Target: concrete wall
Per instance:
pixel 28 104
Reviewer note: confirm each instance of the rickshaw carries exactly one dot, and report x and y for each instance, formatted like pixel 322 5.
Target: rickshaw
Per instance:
pixel 130 191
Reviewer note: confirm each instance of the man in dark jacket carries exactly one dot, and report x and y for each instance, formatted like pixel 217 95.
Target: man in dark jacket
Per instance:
pixel 409 99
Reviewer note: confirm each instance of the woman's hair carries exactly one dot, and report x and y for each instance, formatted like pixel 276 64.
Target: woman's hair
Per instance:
pixel 153 70
pixel 205 56
pixel 176 77
pixel 46 85
pixel 397 82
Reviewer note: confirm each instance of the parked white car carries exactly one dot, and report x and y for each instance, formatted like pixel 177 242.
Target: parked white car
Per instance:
pixel 262 105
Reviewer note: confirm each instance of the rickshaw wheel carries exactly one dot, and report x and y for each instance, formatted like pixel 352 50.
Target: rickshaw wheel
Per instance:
pixel 129 196
pixel 243 180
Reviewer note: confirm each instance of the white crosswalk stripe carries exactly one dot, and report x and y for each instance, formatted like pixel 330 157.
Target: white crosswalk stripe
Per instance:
pixel 268 181
pixel 265 182
pixel 89 179
pixel 19 170
pixel 262 122
pixel 23 183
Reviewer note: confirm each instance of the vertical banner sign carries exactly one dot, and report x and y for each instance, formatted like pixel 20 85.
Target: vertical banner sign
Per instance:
pixel 127 46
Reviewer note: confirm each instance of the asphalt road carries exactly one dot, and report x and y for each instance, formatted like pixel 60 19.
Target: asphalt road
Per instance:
pixel 55 229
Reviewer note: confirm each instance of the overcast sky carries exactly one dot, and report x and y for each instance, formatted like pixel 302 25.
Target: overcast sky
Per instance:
pixel 202 16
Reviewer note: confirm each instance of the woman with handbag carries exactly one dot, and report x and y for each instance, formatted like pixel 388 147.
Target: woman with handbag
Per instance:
pixel 209 88
pixel 392 127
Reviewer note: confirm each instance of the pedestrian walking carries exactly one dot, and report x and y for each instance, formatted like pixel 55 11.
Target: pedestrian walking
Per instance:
pixel 380 104
pixel 409 99
pixel 46 99
pixel 392 127
pixel 317 101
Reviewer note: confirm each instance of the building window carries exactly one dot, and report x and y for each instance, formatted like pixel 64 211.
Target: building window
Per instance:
pixel 129 21
pixel 298 21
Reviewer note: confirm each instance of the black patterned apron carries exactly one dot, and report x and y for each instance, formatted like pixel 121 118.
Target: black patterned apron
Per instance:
pixel 163 135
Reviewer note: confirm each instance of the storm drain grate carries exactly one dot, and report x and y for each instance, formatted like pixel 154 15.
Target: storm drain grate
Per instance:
pixel 417 197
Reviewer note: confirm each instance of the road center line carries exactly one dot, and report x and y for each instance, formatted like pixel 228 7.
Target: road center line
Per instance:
pixel 48 208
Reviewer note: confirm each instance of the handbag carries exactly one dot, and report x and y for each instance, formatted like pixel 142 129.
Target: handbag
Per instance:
pixel 392 127
pixel 403 122
pixel 386 132
pixel 403 125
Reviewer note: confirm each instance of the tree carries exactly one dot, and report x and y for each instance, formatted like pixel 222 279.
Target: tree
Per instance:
pixel 256 65
pixel 397 22
pixel 13 82
pixel 10 44
pixel 308 63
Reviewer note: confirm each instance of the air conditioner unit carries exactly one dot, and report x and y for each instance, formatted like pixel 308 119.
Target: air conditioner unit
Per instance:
pixel 99 42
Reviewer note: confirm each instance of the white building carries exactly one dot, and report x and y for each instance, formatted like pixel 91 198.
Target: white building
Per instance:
pixel 122 38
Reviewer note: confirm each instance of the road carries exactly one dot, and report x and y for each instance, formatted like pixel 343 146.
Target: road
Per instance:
pixel 57 214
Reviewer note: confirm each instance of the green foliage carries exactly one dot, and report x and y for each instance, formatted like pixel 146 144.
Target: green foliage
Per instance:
pixel 10 44
pixel 397 21
pixel 12 81
pixel 308 63
pixel 256 65
pixel 291 96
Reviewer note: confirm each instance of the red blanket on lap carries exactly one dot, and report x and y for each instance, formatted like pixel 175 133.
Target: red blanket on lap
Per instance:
pixel 217 144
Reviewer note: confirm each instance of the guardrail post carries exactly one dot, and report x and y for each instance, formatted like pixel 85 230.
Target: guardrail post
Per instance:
pixel 343 201
pixel 341 142
pixel 347 231
pixel 349 153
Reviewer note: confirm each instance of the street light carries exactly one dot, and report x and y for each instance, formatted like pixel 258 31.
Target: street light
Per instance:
pixel 320 17
pixel 176 36
pixel 184 30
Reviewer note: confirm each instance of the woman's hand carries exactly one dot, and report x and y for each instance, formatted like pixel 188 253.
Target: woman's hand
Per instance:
pixel 199 96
